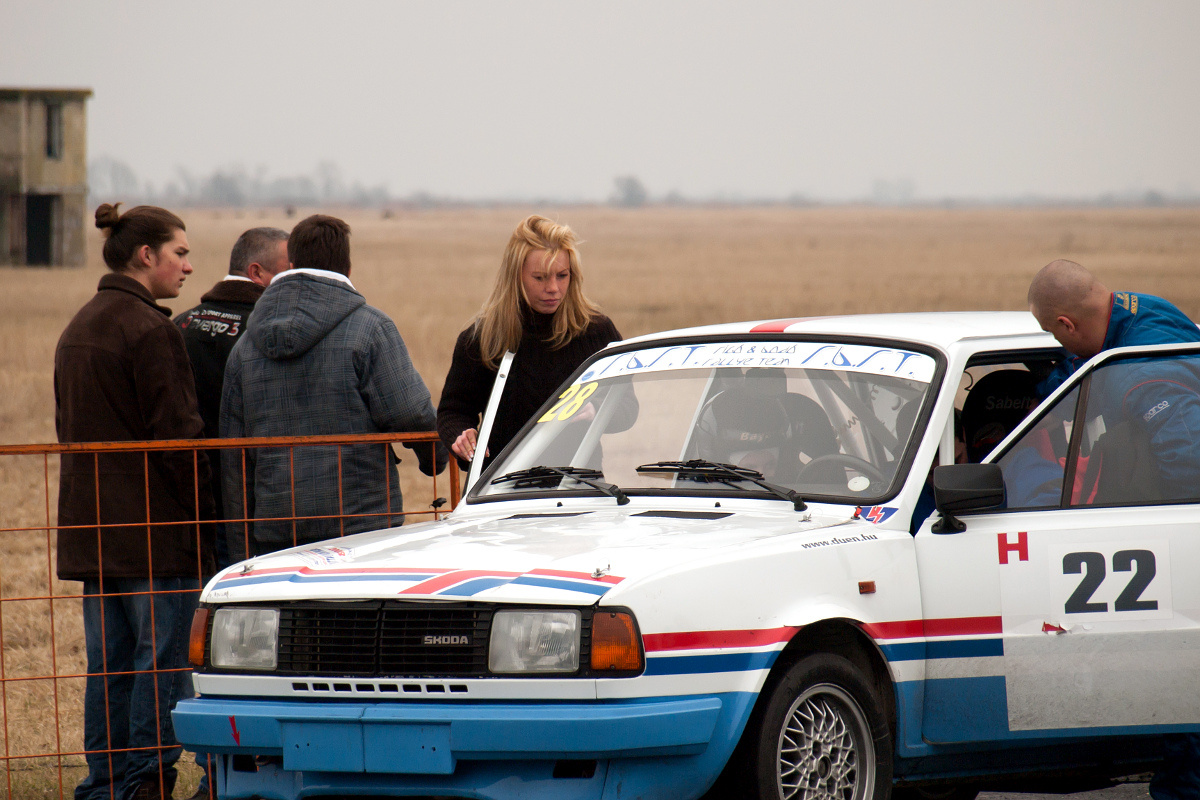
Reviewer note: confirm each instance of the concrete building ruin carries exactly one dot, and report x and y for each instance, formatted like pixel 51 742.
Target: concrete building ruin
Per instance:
pixel 43 176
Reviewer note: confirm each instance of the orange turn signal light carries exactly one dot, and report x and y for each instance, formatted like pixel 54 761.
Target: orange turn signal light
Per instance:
pixel 197 636
pixel 615 642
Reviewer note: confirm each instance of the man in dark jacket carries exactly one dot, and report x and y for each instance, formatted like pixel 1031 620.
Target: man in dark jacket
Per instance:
pixel 121 374
pixel 316 359
pixel 211 329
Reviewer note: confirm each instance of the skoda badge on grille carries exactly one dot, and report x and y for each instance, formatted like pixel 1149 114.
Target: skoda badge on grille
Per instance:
pixel 439 640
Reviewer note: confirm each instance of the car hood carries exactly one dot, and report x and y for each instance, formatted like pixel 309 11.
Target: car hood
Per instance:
pixel 550 557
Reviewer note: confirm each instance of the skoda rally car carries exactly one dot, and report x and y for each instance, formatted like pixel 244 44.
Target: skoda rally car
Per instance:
pixel 712 564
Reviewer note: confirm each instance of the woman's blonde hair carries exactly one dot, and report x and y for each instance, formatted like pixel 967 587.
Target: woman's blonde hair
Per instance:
pixel 498 324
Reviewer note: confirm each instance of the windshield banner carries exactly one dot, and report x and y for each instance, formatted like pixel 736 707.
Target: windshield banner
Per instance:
pixel 782 355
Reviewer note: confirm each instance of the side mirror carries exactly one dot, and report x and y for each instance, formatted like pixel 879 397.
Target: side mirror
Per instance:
pixel 965 487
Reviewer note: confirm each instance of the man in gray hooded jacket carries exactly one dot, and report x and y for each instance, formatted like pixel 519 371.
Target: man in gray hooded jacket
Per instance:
pixel 316 359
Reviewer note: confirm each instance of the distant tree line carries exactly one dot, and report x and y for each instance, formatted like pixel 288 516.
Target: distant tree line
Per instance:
pixel 232 186
pixel 235 186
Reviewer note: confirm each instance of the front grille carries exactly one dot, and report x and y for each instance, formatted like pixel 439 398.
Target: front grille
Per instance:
pixel 402 647
pixel 328 641
pixel 385 639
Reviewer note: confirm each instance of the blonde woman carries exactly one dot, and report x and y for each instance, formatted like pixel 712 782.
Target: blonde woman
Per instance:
pixel 538 310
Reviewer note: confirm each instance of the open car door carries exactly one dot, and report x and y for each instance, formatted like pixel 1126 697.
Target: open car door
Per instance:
pixel 1074 605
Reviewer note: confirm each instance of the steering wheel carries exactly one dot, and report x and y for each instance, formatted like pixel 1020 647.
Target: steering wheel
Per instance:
pixel 841 459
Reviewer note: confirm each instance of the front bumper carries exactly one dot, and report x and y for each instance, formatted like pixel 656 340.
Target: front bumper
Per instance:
pixel 430 738
pixel 488 750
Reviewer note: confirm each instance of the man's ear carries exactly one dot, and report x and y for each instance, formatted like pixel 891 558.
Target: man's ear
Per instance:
pixel 257 274
pixel 1066 322
pixel 144 256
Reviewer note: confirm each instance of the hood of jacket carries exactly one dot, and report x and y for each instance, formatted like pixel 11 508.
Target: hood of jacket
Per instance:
pixel 297 311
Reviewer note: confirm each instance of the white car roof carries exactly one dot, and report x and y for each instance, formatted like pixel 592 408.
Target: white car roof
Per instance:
pixel 941 329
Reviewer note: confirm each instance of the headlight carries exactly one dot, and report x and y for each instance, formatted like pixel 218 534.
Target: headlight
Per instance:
pixel 534 641
pixel 245 638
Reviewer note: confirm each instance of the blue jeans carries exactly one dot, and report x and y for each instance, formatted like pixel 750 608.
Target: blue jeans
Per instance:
pixel 145 637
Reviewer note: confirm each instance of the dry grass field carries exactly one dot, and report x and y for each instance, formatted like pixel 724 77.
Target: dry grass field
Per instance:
pixel 650 269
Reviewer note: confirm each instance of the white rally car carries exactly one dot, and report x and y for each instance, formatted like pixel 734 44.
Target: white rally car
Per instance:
pixel 712 564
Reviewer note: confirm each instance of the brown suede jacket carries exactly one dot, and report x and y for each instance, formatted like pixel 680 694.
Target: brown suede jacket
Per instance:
pixel 121 373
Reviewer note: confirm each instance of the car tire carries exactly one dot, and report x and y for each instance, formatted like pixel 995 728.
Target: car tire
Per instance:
pixel 821 732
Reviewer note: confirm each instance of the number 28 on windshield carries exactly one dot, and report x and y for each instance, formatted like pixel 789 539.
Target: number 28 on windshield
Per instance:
pixel 569 402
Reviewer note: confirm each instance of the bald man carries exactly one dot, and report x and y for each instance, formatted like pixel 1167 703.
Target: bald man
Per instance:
pixel 1087 318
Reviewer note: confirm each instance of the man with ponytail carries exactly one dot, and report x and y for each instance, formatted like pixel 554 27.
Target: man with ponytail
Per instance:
pixel 128 521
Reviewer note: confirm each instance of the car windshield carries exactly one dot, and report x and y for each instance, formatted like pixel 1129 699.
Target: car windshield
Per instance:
pixel 794 419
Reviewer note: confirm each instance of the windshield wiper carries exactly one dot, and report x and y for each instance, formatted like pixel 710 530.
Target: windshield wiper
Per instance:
pixel 712 470
pixel 542 476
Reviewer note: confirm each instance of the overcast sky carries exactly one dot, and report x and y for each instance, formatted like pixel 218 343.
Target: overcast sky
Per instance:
pixel 553 99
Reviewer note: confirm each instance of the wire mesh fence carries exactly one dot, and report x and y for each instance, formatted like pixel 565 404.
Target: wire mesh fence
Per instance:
pixel 43 654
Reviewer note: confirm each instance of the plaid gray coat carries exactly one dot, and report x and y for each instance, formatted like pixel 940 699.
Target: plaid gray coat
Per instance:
pixel 316 359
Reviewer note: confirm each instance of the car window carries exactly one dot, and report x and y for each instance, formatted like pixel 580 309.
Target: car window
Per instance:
pixel 1034 466
pixel 1141 441
pixel 1138 440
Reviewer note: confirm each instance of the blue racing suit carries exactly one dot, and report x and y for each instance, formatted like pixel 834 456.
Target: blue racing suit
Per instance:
pixel 1161 398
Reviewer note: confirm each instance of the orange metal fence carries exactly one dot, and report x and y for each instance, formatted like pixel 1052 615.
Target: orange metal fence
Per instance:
pixel 42 656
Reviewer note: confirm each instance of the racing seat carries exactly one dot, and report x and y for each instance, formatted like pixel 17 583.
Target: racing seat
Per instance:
pixel 994 406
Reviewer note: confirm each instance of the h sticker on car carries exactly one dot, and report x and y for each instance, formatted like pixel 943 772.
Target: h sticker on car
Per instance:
pixel 1020 546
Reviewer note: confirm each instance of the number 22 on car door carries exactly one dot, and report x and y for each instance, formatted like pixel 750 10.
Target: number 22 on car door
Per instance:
pixel 1092 637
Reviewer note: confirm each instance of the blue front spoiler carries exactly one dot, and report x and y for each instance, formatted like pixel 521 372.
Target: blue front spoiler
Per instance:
pixel 659 746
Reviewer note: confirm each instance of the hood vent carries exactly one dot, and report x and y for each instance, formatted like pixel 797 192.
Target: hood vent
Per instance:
pixel 549 514
pixel 684 514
